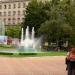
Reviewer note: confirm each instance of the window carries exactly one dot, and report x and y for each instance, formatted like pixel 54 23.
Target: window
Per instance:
pixel 9 19
pixel 14 19
pixel 5 6
pixel 13 22
pixel 0 13
pixel 5 20
pixel 14 5
pixel 0 6
pixel 18 19
pixel 19 5
pixel 4 13
pixel 19 13
pixel 23 18
pixel 9 6
pixel 14 13
pixel 9 13
pixel 23 12
pixel 23 5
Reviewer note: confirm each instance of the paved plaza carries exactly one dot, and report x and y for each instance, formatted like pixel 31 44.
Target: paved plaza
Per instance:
pixel 33 66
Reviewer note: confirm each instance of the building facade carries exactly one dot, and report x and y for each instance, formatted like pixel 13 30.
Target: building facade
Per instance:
pixel 12 11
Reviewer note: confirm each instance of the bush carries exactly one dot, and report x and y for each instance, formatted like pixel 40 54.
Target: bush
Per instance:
pixel 6 46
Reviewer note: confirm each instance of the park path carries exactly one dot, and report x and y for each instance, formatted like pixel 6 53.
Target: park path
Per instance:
pixel 33 65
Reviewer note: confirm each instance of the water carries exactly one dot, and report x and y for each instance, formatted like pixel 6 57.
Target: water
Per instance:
pixel 2 28
pixel 28 43
pixel 3 38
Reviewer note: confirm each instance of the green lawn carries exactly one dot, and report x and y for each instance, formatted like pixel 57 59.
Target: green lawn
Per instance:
pixel 34 54
pixel 52 54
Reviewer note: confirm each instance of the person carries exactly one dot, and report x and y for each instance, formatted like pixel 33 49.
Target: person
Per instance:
pixel 70 61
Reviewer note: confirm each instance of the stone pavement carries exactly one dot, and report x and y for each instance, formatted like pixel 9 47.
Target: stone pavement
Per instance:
pixel 33 66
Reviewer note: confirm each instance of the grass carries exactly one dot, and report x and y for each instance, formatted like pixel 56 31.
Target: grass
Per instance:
pixel 51 53
pixel 6 47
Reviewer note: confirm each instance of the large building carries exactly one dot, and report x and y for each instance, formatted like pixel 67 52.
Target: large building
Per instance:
pixel 12 11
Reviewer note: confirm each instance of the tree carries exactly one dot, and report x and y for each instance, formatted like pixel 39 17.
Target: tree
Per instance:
pixel 14 32
pixel 68 9
pixel 35 15
pixel 53 19
pixel 57 28
pixel 54 30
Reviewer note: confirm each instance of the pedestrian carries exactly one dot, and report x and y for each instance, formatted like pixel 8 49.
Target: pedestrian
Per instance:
pixel 70 61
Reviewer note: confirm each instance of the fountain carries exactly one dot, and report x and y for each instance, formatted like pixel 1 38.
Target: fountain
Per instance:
pixel 27 44
pixel 3 38
pixel 2 28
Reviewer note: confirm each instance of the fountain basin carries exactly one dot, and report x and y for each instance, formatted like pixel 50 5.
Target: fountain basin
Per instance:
pixel 15 52
pixel 23 49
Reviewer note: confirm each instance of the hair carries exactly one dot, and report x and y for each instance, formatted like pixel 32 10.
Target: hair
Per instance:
pixel 73 50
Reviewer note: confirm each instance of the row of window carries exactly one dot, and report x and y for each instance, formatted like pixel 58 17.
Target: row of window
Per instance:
pixel 9 13
pixel 9 6
pixel 9 23
pixel 9 19
pixel 13 20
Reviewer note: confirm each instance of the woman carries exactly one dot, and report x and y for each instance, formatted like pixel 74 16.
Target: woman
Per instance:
pixel 70 61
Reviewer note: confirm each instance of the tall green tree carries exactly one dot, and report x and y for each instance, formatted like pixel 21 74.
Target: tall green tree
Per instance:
pixel 35 15
pixel 55 19
pixel 57 27
pixel 68 9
